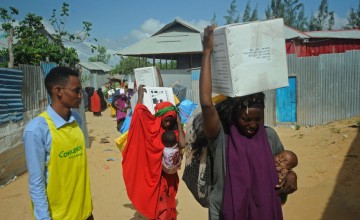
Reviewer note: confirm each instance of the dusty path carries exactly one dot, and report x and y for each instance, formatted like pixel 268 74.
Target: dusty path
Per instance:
pixel 329 176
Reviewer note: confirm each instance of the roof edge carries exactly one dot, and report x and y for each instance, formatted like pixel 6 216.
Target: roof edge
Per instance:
pixel 177 21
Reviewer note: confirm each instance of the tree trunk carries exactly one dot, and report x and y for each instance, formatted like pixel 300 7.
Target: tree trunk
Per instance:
pixel 10 47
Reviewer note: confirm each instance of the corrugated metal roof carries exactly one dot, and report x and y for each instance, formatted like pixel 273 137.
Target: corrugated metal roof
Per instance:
pixel 291 33
pixel 176 22
pixel 180 37
pixel 96 66
pixel 177 37
pixel 343 34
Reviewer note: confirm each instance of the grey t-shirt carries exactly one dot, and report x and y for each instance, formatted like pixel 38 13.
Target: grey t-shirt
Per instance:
pixel 217 151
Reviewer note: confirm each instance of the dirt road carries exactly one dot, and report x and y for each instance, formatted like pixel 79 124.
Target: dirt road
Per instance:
pixel 328 176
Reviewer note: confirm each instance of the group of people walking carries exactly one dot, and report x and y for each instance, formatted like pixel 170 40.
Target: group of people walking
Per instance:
pixel 244 184
pixel 94 100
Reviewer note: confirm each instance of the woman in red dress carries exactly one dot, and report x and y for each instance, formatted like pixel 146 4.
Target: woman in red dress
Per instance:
pixel 151 189
pixel 95 104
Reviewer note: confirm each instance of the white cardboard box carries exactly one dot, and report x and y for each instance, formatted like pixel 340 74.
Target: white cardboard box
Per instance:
pixel 249 58
pixel 152 96
pixel 147 76
pixel 131 85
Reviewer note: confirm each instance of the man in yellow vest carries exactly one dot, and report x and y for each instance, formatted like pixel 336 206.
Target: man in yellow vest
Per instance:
pixel 56 153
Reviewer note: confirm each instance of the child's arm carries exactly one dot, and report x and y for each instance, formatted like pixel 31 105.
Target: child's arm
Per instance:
pixel 181 141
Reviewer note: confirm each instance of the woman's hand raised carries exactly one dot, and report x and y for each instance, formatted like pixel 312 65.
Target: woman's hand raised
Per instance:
pixel 141 91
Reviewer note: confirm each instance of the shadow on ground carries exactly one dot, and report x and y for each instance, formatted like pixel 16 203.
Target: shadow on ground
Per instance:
pixel 345 199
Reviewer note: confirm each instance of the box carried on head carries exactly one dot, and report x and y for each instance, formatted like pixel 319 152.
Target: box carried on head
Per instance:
pixel 147 76
pixel 249 58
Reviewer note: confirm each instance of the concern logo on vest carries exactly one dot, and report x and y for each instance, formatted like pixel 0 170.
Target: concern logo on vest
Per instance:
pixel 75 152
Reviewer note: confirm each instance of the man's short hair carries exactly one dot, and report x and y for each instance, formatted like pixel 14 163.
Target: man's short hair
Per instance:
pixel 59 76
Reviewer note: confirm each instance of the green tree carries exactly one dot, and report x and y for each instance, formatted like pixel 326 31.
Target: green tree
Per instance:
pixel 292 11
pixel 301 21
pixel 34 44
pixel 353 18
pixel 102 55
pixel 70 57
pixel 59 24
pixel 8 25
pixel 248 14
pixel 323 20
pixel 231 17
pixel 62 35
pixel 294 14
pixel 127 65
pixel 213 20
pixel 276 9
pixel 4 54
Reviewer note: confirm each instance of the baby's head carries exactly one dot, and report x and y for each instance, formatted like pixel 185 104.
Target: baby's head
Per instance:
pixel 168 138
pixel 286 159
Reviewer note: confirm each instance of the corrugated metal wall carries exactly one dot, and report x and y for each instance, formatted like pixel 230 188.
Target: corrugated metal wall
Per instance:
pixel 34 94
pixel 11 105
pixel 86 78
pixel 94 78
pixel 328 87
pixel 27 82
pixel 101 79
pixel 270 108
pixel 318 46
pixel 33 90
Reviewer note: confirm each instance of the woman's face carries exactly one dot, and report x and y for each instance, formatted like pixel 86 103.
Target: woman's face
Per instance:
pixel 248 122
pixel 167 123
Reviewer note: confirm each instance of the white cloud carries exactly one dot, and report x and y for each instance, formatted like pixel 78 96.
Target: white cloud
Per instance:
pixel 138 35
pixel 151 25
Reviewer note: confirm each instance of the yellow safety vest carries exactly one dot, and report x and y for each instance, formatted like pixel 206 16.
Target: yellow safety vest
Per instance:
pixel 68 186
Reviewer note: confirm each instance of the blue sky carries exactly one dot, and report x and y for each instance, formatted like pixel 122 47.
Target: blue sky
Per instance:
pixel 119 23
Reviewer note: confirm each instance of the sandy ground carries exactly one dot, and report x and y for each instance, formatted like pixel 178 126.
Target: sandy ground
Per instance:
pixel 328 176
